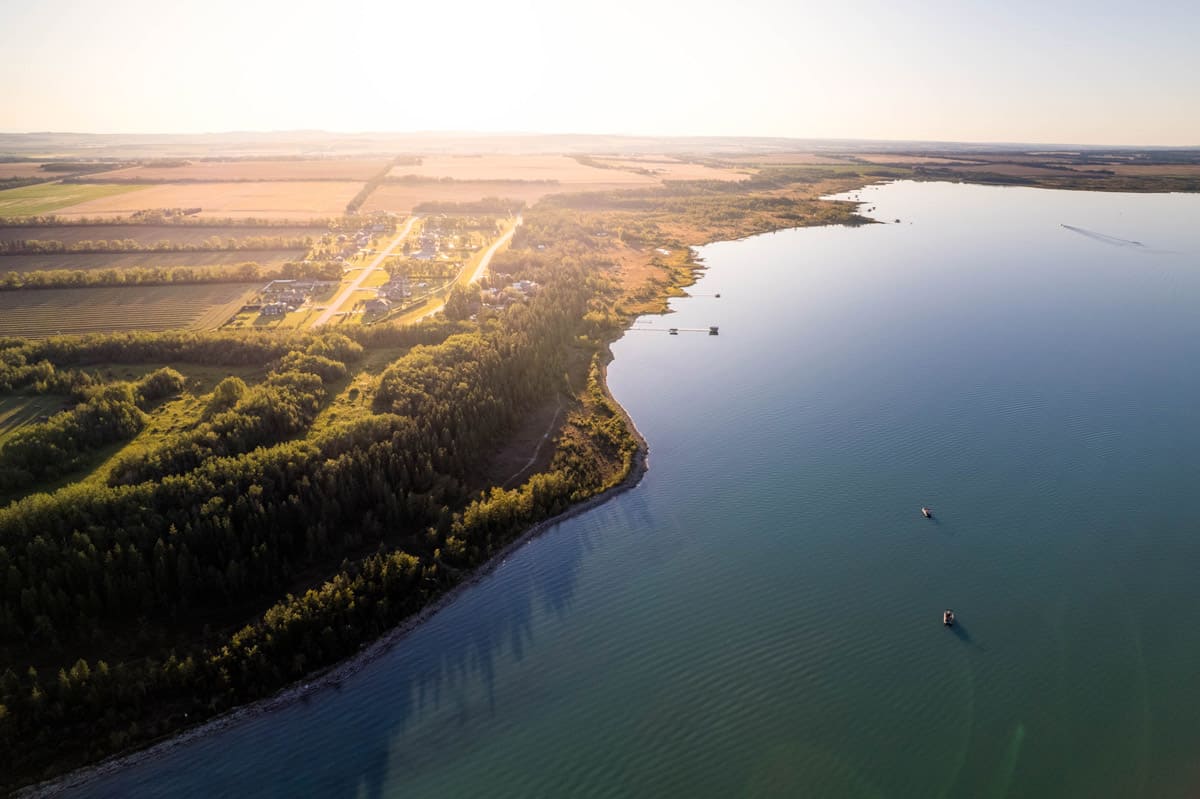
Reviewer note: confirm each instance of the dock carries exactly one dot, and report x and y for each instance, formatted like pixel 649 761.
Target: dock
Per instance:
pixel 712 330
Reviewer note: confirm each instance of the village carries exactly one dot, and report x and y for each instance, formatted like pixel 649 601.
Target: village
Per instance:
pixel 437 252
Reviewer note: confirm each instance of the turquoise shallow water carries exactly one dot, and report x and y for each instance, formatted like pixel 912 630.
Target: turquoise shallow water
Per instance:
pixel 762 616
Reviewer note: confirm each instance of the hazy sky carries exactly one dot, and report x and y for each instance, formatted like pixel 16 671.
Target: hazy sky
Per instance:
pixel 1016 70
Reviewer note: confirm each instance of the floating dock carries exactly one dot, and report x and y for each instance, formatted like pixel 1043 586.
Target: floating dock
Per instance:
pixel 712 330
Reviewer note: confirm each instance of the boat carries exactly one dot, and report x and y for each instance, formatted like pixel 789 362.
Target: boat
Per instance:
pixel 948 618
pixel 927 513
pixel 674 331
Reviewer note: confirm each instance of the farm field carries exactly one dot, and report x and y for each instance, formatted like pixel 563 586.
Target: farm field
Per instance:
pixel 785 159
pixel 908 160
pixel 270 200
pixel 151 234
pixel 673 169
pixel 117 260
pixel 46 312
pixel 17 411
pixel 24 169
pixel 1162 170
pixel 45 198
pixel 351 169
pixel 402 197
pixel 560 168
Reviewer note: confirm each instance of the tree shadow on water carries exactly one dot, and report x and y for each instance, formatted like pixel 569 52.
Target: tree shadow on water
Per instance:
pixel 444 673
pixel 378 730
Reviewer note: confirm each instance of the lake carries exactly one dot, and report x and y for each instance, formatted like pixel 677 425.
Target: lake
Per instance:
pixel 763 614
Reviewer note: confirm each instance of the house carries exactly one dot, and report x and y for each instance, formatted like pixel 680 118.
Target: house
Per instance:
pixel 377 306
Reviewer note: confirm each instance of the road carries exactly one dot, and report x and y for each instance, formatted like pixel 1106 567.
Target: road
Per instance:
pixel 348 292
pixel 479 270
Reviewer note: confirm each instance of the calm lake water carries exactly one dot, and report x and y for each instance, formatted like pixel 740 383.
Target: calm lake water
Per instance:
pixel 762 616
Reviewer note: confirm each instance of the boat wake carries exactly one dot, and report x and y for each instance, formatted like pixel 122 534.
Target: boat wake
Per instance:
pixel 1114 241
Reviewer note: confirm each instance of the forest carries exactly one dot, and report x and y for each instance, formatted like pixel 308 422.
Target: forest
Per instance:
pixel 142 571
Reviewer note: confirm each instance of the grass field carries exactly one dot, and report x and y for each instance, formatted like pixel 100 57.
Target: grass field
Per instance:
pixel 559 168
pixel 120 260
pixel 352 169
pixel 200 379
pixel 17 411
pixel 151 234
pixel 46 312
pixel 45 198
pixel 271 200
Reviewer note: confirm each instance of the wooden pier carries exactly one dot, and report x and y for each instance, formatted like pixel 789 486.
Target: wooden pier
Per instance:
pixel 712 330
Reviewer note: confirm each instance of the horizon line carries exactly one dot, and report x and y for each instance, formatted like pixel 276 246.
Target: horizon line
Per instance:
pixel 543 134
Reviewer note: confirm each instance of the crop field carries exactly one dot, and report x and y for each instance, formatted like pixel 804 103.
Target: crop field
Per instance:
pixel 148 235
pixel 17 411
pixel 268 200
pixel 1019 170
pixel 45 198
pixel 1157 170
pixel 402 197
pixel 909 160
pixel 785 159
pixel 349 169
pixel 45 312
pixel 559 168
pixel 23 170
pixel 120 260
pixel 673 169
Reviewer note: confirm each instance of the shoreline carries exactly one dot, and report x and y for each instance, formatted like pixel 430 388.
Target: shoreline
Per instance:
pixel 332 676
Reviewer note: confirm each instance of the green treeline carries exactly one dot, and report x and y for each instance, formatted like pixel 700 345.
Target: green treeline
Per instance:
pixel 248 272
pixel 375 182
